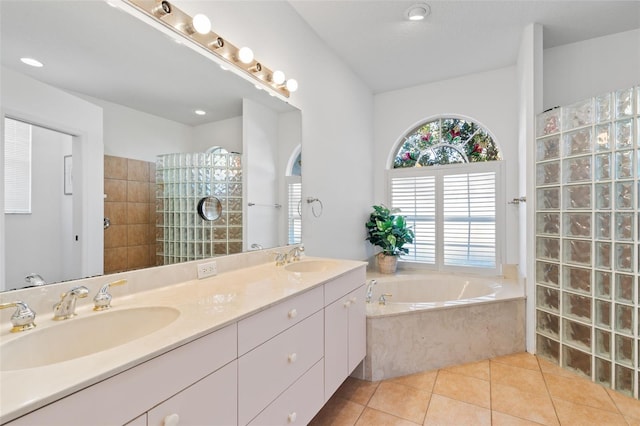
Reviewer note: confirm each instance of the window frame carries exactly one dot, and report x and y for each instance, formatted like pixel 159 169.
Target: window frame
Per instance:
pixel 439 171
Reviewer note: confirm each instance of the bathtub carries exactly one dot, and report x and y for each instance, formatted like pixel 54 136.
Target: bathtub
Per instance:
pixel 433 320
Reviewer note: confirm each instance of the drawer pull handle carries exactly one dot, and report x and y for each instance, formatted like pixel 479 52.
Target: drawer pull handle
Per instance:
pixel 292 417
pixel 293 358
pixel 347 303
pixel 292 313
pixel 171 420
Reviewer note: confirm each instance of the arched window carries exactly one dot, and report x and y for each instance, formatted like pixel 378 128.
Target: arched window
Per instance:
pixel 452 208
pixel 294 197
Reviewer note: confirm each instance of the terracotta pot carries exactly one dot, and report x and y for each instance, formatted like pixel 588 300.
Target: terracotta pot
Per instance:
pixel 387 264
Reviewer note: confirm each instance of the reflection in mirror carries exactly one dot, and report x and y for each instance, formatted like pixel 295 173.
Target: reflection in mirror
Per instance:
pixel 209 208
pixel 120 103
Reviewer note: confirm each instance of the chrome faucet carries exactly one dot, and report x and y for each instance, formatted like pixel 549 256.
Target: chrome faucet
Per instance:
pixel 102 300
pixel 66 307
pixel 281 259
pixel 34 280
pixel 382 300
pixel 370 291
pixel 257 246
pixel 295 253
pixel 23 318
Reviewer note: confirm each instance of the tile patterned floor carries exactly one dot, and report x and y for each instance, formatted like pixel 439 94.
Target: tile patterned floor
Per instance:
pixel 516 390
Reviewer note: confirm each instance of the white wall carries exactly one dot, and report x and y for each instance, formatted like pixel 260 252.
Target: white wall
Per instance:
pixel 47 230
pixel 261 177
pixel 490 99
pixel 529 105
pixel 580 70
pixel 32 101
pixel 337 110
pixel 225 133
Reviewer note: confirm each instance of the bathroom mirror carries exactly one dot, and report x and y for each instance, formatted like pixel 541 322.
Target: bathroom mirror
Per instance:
pixel 146 88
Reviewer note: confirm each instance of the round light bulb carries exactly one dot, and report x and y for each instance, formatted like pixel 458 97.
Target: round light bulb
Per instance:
pixel 201 24
pixel 278 77
pixel 200 112
pixel 292 85
pixel 32 62
pixel 245 55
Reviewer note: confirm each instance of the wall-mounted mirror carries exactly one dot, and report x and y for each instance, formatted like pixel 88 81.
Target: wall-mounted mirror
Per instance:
pixel 133 92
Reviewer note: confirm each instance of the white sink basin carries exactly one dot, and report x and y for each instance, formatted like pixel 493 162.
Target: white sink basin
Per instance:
pixel 310 266
pixel 81 336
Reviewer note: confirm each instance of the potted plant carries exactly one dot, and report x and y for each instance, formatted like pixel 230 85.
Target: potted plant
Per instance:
pixel 388 230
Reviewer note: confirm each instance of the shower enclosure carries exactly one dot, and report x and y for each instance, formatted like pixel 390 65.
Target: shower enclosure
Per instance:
pixel 587 211
pixel 182 181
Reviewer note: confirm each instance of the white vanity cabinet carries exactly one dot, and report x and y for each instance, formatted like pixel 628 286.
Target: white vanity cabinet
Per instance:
pixel 344 328
pixel 125 396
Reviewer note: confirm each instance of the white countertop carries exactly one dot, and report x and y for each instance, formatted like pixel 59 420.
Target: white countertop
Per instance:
pixel 205 306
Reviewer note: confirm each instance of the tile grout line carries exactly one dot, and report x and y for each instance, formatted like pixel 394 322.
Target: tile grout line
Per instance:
pixel 433 386
pixel 546 386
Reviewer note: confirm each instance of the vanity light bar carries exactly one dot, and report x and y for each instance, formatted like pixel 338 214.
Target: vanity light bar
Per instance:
pixel 179 22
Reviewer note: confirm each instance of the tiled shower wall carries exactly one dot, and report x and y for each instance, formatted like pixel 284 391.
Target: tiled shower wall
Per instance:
pixel 182 181
pixel 129 186
pixel 587 238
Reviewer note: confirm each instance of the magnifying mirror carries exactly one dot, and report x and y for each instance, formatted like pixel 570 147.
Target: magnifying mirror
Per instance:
pixel 209 208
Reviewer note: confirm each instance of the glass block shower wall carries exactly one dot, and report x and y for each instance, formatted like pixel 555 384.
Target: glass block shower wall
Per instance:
pixel 182 180
pixel 587 242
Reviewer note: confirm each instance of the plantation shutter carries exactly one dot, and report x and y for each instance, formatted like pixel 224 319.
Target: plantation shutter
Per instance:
pixel 469 220
pixel 295 220
pixel 415 197
pixel 17 166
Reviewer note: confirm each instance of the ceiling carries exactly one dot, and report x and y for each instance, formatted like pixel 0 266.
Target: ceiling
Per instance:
pixel 458 38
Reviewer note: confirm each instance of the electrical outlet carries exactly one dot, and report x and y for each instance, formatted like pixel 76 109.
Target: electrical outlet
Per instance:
pixel 208 269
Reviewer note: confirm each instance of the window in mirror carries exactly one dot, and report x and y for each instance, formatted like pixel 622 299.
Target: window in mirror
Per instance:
pixel 17 166
pixel 294 197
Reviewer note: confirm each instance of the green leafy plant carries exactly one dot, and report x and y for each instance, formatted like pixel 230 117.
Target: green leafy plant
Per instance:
pixel 389 230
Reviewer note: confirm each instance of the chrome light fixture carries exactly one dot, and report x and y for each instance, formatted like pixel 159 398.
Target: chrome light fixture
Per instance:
pixel 417 12
pixel 197 29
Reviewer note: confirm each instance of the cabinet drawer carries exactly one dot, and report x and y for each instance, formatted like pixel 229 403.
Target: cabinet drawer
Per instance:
pixel 265 372
pixel 344 284
pixel 135 391
pixel 211 401
pixel 298 404
pixel 262 326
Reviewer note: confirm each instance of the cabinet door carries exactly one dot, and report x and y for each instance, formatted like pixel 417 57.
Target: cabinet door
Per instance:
pixel 336 351
pixel 357 328
pixel 210 401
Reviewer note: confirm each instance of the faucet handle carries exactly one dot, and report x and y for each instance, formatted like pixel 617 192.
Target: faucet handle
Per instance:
pixel 281 259
pixel 102 300
pixel 383 298
pixel 23 318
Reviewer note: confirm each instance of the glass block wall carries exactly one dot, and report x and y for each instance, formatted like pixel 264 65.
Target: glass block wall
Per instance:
pixel 182 180
pixel 587 238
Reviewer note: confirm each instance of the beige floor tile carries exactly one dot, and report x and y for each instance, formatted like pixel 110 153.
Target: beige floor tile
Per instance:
pixel 629 407
pixel 577 414
pixel 447 411
pixel 463 388
pixel 358 391
pixel 551 368
pixel 530 406
pixel 338 412
pixel 401 401
pixel 632 422
pixel 579 391
pixel 423 381
pixel 372 417
pixel 502 419
pixel 479 370
pixel 518 377
pixel 522 360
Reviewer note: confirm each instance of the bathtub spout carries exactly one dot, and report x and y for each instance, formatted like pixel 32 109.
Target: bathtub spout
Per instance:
pixel 370 291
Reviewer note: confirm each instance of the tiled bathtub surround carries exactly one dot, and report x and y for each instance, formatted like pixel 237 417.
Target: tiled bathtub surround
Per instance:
pixel 587 203
pixel 129 186
pixel 184 179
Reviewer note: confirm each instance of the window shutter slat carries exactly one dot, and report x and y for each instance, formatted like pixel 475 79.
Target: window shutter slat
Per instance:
pixel 17 166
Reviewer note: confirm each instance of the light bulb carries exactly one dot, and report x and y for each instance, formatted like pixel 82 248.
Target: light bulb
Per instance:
pixel 292 85
pixel 32 62
pixel 278 77
pixel 245 55
pixel 200 112
pixel 201 23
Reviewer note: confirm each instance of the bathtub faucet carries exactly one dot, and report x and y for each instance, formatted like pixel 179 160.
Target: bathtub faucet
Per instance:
pixel 370 291
pixel 382 300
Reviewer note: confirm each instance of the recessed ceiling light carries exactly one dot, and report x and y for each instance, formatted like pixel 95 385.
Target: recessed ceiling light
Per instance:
pixel 32 62
pixel 200 112
pixel 417 12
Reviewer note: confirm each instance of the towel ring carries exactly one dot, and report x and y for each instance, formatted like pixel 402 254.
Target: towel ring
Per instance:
pixel 313 202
